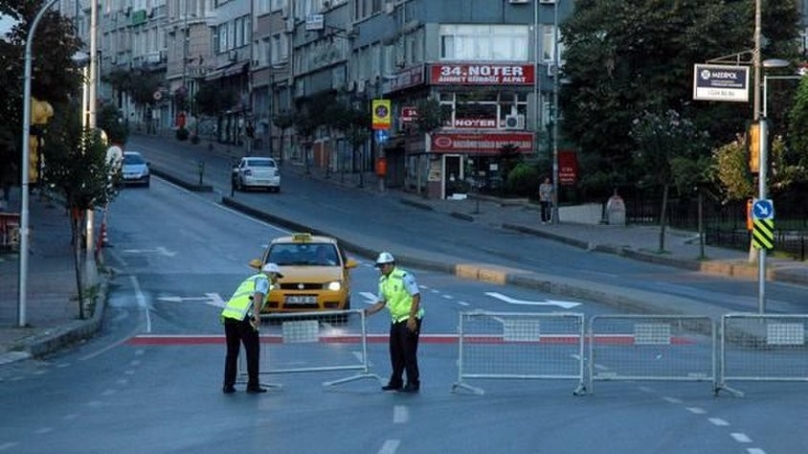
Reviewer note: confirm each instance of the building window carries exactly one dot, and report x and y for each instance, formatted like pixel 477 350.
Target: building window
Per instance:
pixel 547 45
pixel 484 42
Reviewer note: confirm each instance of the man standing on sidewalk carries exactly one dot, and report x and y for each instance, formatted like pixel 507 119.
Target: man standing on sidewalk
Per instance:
pixel 399 292
pixel 546 200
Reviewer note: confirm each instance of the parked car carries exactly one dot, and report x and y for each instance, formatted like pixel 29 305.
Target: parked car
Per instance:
pixel 256 172
pixel 315 274
pixel 135 169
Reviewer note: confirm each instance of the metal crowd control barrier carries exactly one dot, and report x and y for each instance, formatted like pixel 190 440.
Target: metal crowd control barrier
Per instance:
pixel 321 341
pixel 652 348
pixel 763 347
pixel 520 346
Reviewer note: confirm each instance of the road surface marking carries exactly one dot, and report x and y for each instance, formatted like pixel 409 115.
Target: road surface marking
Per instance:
pixel 740 437
pixel 696 410
pixel 390 447
pixel 718 422
pixel 509 300
pixel 141 302
pixel 401 414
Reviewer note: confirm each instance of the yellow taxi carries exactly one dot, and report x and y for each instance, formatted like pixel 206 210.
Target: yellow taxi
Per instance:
pixel 315 274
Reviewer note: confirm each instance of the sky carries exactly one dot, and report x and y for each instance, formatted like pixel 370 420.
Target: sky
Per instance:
pixel 5 25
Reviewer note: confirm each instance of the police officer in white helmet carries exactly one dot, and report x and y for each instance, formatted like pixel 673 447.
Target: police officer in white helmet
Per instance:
pixel 399 292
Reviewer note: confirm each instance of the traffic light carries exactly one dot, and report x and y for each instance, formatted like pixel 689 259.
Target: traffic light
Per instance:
pixel 41 112
pixel 754 147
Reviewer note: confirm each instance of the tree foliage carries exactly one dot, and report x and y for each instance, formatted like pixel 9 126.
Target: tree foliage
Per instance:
pixel 213 100
pixel 137 83
pixel 55 78
pixel 627 56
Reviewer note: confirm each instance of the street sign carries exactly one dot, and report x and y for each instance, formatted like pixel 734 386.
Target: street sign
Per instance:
pixel 381 114
pixel 720 83
pixel 382 135
pixel 763 234
pixel 157 95
pixel 763 209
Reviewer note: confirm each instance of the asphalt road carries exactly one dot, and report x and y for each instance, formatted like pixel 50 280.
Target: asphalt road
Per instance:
pixel 173 250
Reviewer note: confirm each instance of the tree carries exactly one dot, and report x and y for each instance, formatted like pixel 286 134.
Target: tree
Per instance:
pixel 669 151
pixel 212 100
pixel 56 79
pixel 77 170
pixel 626 56
pixel 354 122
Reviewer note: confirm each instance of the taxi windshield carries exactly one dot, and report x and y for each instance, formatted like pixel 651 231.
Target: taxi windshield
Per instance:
pixel 306 254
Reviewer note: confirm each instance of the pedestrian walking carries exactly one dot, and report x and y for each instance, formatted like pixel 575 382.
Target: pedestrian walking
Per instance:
pixel 242 318
pixel 546 200
pixel 399 292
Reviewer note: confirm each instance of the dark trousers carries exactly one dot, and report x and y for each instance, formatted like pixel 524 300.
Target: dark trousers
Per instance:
pixel 404 353
pixel 545 210
pixel 237 332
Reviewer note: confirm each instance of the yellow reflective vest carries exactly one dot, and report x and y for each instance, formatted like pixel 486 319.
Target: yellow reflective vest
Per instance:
pixel 399 301
pixel 240 303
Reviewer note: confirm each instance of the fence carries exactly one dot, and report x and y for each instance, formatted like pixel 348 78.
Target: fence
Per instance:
pixel 314 342
pixel 761 347
pixel 501 345
pixel 651 347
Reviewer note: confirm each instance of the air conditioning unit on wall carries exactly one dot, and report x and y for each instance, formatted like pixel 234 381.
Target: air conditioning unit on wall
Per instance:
pixel 519 2
pixel 552 69
pixel 515 122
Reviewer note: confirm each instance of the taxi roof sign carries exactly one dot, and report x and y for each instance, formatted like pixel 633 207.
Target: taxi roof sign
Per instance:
pixel 303 237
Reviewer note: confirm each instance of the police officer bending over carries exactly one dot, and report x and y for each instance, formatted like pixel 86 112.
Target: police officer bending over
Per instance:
pixel 399 292
pixel 242 318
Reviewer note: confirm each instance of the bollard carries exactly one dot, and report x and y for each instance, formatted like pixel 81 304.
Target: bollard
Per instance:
pixel 201 169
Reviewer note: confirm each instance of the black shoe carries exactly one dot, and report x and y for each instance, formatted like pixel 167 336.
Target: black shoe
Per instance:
pixel 411 388
pixel 228 389
pixel 255 390
pixel 391 387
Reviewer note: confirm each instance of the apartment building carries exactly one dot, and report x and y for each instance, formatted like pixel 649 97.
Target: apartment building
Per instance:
pixel 492 64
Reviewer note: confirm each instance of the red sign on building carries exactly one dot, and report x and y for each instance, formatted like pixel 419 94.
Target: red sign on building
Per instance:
pixel 481 74
pixel 567 167
pixel 480 143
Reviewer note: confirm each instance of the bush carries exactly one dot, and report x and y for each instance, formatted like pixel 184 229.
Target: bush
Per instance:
pixel 182 134
pixel 523 180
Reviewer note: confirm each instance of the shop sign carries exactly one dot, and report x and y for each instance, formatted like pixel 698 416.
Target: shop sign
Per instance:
pixel 475 123
pixel 408 114
pixel 567 167
pixel 481 74
pixel 480 143
pixel 405 78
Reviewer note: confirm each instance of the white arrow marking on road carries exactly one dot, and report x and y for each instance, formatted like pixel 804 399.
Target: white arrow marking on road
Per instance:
pixel 509 300
pixel 212 299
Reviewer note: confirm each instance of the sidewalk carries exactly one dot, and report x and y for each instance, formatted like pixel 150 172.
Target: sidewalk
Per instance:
pixel 52 311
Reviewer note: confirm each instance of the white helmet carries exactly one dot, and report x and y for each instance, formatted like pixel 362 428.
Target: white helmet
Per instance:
pixel 385 257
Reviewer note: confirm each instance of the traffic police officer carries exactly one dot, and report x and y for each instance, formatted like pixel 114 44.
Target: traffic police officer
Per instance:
pixel 242 317
pixel 399 292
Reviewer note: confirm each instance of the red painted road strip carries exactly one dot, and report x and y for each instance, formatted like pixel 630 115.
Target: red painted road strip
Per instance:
pixel 611 339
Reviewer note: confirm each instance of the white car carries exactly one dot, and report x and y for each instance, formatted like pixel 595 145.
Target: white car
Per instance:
pixel 256 172
pixel 135 169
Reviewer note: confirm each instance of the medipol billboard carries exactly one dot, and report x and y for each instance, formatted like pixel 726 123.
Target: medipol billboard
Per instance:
pixel 720 83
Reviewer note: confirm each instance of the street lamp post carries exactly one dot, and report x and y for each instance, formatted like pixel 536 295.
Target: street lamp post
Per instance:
pixel 555 112
pixel 763 164
pixel 26 143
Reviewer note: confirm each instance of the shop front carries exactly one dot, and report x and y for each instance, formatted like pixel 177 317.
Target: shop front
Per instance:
pixel 471 162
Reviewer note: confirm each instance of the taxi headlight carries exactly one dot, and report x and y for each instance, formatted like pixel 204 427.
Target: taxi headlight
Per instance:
pixel 334 286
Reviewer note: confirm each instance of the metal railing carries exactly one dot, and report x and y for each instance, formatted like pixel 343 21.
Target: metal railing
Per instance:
pixel 305 342
pixel 522 346
pixel 763 347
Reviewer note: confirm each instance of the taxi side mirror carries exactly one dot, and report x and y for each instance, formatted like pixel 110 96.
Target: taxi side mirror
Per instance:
pixel 256 263
pixel 350 264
